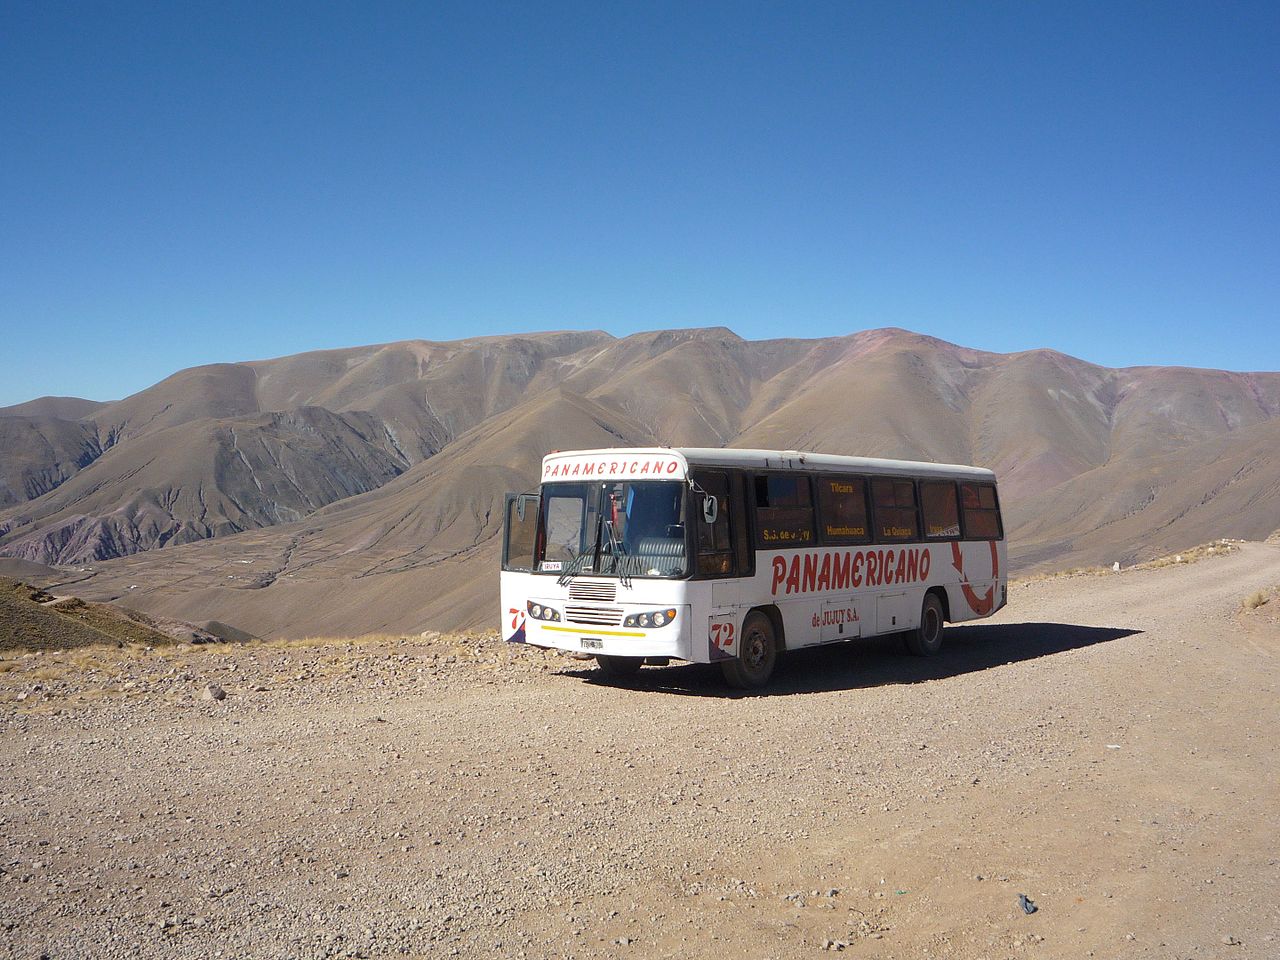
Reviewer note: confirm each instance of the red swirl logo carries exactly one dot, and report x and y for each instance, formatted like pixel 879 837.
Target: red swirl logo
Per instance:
pixel 981 605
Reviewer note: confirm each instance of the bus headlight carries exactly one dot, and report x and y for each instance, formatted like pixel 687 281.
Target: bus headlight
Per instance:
pixel 539 612
pixel 655 618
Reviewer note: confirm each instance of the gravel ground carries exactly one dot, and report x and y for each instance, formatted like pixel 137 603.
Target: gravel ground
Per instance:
pixel 1105 746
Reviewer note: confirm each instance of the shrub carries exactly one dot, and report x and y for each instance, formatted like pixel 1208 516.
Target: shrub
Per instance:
pixel 1255 600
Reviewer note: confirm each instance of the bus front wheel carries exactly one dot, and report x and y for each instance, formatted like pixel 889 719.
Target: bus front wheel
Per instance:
pixel 757 655
pixel 619 666
pixel 926 639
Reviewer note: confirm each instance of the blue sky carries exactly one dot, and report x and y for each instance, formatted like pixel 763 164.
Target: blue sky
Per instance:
pixel 190 183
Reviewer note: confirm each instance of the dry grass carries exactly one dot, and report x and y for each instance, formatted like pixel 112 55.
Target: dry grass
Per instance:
pixel 1260 598
pixel 1218 548
pixel 365 640
pixel 1060 575
pixel 1205 551
pixel 452 644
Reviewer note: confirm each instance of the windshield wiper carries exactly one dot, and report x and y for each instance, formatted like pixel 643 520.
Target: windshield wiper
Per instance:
pixel 628 562
pixel 615 546
pixel 574 568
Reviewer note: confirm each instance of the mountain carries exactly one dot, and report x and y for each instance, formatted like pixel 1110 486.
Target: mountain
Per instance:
pixel 354 490
pixel 224 448
pixel 203 479
pixel 1140 507
pixel 58 408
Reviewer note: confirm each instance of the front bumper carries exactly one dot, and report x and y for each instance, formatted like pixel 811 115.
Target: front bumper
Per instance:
pixel 614 641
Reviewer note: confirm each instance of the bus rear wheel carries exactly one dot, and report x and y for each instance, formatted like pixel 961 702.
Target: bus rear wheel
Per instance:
pixel 926 639
pixel 619 667
pixel 757 654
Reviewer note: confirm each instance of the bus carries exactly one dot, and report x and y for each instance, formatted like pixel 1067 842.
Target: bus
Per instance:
pixel 647 555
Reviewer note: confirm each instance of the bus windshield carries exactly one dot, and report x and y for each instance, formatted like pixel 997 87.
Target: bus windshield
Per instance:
pixel 616 528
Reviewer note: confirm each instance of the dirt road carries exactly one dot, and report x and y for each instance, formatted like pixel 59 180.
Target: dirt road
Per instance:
pixel 1106 746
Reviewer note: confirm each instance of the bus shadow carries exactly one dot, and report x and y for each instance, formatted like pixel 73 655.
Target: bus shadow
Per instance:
pixel 876 662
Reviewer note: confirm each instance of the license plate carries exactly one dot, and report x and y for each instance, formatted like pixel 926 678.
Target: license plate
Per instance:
pixel 591 643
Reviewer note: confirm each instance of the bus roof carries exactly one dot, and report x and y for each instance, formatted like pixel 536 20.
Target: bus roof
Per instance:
pixel 760 460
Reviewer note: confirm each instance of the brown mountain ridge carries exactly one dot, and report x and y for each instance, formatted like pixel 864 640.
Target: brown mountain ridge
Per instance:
pixel 355 490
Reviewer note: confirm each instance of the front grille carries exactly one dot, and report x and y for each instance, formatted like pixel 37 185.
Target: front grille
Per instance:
pixel 593 590
pixel 594 616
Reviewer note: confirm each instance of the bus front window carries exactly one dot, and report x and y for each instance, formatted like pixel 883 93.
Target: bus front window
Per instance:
pixel 613 529
pixel 568 525
pixel 642 529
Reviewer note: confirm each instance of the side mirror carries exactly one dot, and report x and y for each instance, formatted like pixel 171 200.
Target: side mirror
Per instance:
pixel 710 509
pixel 523 499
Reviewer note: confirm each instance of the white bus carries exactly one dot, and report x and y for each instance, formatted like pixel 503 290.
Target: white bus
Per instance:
pixel 733 556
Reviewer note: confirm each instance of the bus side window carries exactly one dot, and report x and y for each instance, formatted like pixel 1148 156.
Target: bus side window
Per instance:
pixel 894 504
pixel 981 511
pixel 842 507
pixel 715 549
pixel 941 512
pixel 784 510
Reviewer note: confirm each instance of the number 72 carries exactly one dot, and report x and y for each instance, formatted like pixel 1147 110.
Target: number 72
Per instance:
pixel 722 634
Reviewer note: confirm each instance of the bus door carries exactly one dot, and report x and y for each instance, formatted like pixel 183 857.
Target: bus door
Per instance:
pixel 713 511
pixel 519 528
pixel 519 532
pixel 716 513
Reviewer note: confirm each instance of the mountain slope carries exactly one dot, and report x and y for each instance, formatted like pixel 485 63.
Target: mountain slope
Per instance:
pixel 33 619
pixel 203 479
pixel 223 448
pixel 40 453
pixel 1139 508
pixel 59 408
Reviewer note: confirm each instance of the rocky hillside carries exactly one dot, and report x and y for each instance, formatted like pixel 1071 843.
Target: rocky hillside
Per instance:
pixel 230 447
pixel 30 619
